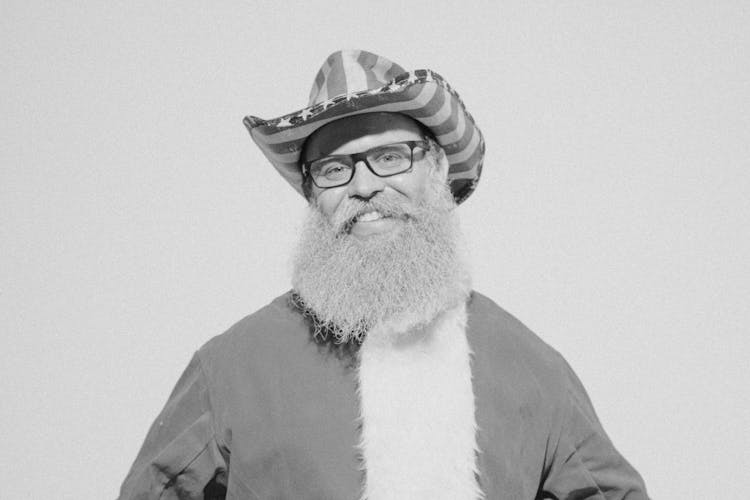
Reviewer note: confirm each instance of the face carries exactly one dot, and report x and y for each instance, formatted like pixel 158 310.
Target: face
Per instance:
pixel 379 249
pixel 360 133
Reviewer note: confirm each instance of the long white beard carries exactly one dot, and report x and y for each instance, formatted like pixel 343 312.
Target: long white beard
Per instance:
pixel 406 278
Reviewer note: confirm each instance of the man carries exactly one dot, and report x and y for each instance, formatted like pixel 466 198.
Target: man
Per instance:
pixel 381 375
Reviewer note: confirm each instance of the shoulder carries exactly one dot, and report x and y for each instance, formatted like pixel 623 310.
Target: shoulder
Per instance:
pixel 495 327
pixel 504 346
pixel 273 328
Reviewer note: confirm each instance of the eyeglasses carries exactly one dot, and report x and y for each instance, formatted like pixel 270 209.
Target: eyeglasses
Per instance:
pixel 383 161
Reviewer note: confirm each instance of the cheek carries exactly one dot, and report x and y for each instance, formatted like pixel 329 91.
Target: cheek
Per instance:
pixel 414 185
pixel 328 200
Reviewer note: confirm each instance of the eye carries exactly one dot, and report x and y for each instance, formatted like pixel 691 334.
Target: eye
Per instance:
pixel 334 170
pixel 391 157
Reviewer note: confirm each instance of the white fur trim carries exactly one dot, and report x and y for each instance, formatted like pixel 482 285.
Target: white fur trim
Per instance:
pixel 417 409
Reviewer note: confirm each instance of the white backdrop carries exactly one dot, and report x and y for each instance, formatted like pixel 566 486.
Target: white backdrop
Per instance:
pixel 139 219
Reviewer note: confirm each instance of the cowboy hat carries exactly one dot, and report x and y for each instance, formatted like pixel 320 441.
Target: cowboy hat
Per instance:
pixel 352 82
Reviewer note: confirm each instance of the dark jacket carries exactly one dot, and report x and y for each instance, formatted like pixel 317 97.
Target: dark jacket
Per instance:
pixel 263 412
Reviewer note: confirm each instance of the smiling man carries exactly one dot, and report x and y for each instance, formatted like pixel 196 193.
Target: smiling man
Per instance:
pixel 381 241
pixel 381 375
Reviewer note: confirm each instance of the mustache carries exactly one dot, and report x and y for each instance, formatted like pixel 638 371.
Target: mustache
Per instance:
pixel 350 209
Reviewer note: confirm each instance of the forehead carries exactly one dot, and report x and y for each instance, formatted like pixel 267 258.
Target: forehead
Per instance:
pixel 357 133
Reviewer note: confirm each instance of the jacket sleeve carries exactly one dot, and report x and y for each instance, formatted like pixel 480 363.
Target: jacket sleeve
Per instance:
pixel 586 464
pixel 181 454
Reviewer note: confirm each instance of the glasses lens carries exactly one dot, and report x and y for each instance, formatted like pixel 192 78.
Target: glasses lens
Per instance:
pixel 391 159
pixel 329 172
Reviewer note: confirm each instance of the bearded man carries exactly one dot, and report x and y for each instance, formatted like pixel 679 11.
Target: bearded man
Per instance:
pixel 381 375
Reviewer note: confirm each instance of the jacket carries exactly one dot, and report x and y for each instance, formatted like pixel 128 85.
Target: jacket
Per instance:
pixel 263 412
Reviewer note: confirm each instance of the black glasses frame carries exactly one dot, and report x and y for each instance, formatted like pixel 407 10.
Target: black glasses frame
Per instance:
pixel 357 157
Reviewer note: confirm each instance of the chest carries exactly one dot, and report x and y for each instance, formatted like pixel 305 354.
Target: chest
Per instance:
pixel 317 429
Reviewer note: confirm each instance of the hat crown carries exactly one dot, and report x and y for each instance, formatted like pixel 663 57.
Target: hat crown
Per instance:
pixel 347 71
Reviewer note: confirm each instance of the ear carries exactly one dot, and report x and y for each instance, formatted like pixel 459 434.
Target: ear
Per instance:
pixel 440 160
pixel 308 190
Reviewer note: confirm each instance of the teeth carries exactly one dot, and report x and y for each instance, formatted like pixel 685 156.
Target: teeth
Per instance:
pixel 369 217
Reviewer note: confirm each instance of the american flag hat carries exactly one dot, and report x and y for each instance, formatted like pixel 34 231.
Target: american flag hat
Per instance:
pixel 352 82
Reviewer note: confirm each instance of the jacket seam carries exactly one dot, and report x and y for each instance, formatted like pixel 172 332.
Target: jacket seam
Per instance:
pixel 216 435
pixel 208 384
pixel 172 480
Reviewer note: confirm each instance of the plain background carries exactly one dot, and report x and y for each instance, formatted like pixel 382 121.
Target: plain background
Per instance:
pixel 139 219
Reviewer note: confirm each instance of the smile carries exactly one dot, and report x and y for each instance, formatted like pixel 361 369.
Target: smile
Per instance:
pixel 369 217
pixel 373 222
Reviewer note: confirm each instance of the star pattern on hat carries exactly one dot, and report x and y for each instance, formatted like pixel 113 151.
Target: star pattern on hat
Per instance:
pixel 396 90
pixel 393 87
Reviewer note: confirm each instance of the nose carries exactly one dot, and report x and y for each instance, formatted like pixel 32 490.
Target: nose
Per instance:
pixel 364 184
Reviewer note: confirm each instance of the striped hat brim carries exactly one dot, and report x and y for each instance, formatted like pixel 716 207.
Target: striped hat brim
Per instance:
pixel 422 95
